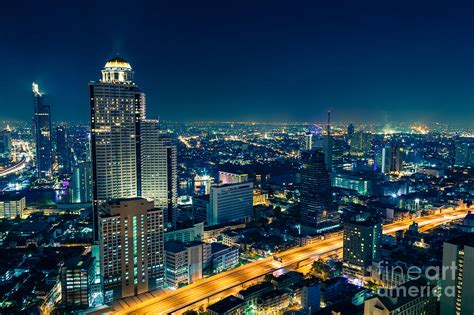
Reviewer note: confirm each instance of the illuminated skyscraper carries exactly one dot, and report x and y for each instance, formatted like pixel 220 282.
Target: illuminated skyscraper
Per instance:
pixel 62 150
pixel 117 106
pixel 158 169
pixel 464 154
pixel 361 142
pixel 361 246
pixel 316 198
pixel 458 280
pixel 391 159
pixel 42 134
pixel 350 130
pixel 5 142
pixel 81 182
pixel 308 141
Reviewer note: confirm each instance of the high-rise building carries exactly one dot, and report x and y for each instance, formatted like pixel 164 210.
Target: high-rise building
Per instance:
pixel 391 159
pixel 361 142
pixel 230 202
pixel 361 246
pixel 308 141
pixel 42 134
pixel 232 178
pixel 5 142
pixel 81 182
pixel 117 106
pixel 131 248
pixel 158 177
pixel 62 151
pixel 458 276
pixel 350 130
pixel 315 190
pixel 464 154
pixel 338 151
pixel 77 279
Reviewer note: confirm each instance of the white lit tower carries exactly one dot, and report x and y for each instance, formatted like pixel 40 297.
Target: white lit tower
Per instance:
pixel 117 106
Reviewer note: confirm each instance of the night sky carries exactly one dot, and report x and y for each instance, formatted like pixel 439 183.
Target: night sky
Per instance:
pixel 292 60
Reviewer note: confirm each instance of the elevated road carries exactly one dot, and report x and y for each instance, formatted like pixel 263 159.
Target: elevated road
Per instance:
pixel 165 302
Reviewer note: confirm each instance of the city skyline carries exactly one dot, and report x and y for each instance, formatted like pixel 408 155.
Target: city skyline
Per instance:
pixel 279 62
pixel 219 158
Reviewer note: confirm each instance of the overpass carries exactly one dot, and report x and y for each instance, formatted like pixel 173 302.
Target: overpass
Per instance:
pixel 166 302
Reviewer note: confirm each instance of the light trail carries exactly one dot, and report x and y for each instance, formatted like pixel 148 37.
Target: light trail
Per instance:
pixel 15 168
pixel 165 302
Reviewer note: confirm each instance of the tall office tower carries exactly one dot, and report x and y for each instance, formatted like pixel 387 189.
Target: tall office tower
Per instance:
pixel 62 151
pixel 158 174
pixel 116 107
pixel 328 144
pixel 350 130
pixel 316 198
pixel 464 154
pixel 131 248
pixel 361 142
pixel 308 141
pixel 230 202
pixel 5 142
pixel 42 134
pixel 361 246
pixel 338 151
pixel 77 279
pixel 458 281
pixel 81 182
pixel 232 178
pixel 391 159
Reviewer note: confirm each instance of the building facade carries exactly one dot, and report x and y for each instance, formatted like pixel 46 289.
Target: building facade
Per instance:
pixel 158 177
pixel 77 279
pixel 117 106
pixel 62 151
pixel 11 207
pixel 361 246
pixel 42 134
pixel 458 282
pixel 183 263
pixel 315 190
pixel 81 182
pixel 230 202
pixel 131 248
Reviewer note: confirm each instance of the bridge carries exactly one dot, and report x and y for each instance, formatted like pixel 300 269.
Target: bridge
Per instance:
pixel 225 283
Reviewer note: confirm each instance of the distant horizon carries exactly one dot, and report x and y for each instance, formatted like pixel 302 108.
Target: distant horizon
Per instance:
pixel 339 123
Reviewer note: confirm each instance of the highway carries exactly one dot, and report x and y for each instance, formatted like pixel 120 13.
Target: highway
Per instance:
pixel 164 302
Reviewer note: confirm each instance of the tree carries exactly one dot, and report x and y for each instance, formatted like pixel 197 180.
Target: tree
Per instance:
pixel 268 277
pixel 321 269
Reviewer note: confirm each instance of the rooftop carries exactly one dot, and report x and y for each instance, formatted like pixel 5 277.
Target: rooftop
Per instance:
pixel 226 304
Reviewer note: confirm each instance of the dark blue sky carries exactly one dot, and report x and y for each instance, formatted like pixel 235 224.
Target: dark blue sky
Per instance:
pixel 240 60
